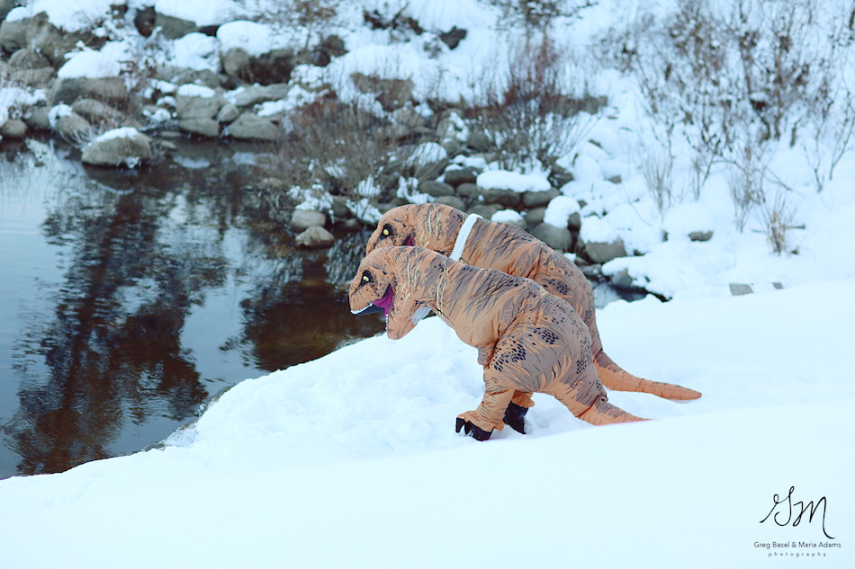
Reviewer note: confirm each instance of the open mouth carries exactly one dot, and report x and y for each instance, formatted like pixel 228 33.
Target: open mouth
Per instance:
pixel 383 305
pixel 410 241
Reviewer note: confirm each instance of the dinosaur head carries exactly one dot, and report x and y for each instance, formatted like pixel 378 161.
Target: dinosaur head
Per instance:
pixel 432 226
pixel 381 285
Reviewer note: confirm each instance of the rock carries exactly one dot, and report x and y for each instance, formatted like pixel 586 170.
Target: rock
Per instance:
pixel 7 6
pixel 621 279
pixel 616 179
pixel 740 289
pixel 592 272
pixel 236 63
pixel 111 90
pixel 303 219
pixel 174 28
pixel 452 201
pixel 537 199
pixel 145 21
pixel 485 211
pixel 391 93
pixel 255 94
pixel 123 146
pixel 315 238
pixel 469 191
pixel 13 35
pixel 203 77
pixel 560 176
pixel 188 107
pixel 28 59
pixel 45 38
pixel 558 238
pixel 38 119
pixel 41 78
pixel 339 209
pixel 334 46
pixel 227 113
pixel 480 142
pixel 95 111
pixel 700 235
pixel 605 252
pixel 250 126
pixel 273 67
pixel 778 286
pixel 453 37
pixel 506 198
pixel 574 222
pixel 435 189
pixel 467 175
pixel 73 127
pixel 534 216
pixel 202 126
pixel 13 128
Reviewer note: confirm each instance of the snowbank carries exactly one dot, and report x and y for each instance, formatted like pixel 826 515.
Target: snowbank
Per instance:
pixel 357 449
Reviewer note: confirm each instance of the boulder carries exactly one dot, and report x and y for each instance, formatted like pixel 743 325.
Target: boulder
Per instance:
pixel 740 289
pixel 38 119
pixel 700 235
pixel 453 37
pixel 255 94
pixel 227 113
pixel 622 279
pixel 45 38
pixel 558 238
pixel 41 78
pixel 250 126
pixel 123 146
pixel 391 93
pixel 537 199
pixel 111 90
pixel 13 128
pixel 201 126
pixel 203 77
pixel 534 216
pixel 485 211
pixel 436 189
pixel 273 67
pixel 28 59
pixel 197 107
pixel 235 62
pixel 72 127
pixel 314 238
pixel 506 198
pixel 604 252
pixel 303 219
pixel 174 28
pixel 469 191
pixel 95 111
pixel 7 6
pixel 467 175
pixel 452 201
pixel 145 21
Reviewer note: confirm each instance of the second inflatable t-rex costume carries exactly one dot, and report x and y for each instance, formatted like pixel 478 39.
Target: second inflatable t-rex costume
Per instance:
pixel 527 339
pixel 507 248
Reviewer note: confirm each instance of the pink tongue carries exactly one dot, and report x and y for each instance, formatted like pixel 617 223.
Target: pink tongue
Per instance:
pixel 410 242
pixel 386 302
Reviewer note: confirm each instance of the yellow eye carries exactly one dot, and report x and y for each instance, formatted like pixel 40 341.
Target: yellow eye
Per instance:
pixel 365 278
pixel 386 232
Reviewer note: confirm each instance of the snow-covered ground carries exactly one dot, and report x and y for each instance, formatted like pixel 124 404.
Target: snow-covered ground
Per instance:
pixel 352 460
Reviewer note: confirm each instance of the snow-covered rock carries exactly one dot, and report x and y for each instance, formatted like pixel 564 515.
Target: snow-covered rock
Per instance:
pixel 119 147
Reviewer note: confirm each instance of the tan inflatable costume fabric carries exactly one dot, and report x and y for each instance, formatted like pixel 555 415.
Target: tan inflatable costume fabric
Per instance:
pixel 527 339
pixel 511 250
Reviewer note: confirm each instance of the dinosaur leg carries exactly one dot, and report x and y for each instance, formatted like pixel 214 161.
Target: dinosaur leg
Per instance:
pixel 517 408
pixel 488 416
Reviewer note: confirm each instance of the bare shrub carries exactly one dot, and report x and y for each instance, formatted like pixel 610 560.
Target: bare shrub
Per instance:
pixel 778 215
pixel 532 111
pixel 312 16
pixel 539 14
pixel 745 181
pixel 656 168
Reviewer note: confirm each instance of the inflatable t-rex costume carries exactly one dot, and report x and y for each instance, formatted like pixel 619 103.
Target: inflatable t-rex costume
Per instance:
pixel 528 340
pixel 509 249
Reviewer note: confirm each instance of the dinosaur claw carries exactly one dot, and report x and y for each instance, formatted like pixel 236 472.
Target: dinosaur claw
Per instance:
pixel 472 430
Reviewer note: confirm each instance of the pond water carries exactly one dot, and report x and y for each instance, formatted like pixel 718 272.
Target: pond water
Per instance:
pixel 132 297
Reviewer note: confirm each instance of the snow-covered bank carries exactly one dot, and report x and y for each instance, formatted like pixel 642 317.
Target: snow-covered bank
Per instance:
pixel 351 460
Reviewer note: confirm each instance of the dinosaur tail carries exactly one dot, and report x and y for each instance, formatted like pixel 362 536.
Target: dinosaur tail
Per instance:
pixel 614 377
pixel 604 413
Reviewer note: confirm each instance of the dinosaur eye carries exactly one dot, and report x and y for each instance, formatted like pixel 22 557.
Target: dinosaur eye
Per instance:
pixel 366 277
pixel 387 231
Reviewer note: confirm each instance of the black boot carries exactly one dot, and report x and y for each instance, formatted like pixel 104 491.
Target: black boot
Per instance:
pixel 515 417
pixel 472 430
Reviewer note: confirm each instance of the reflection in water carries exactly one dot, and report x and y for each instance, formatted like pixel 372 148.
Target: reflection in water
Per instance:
pixel 103 353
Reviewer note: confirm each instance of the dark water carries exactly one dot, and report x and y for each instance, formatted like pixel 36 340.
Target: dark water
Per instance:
pixel 129 298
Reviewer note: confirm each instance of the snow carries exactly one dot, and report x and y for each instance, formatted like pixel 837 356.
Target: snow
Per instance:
pixel 90 64
pixel 123 132
pixel 15 98
pixel 504 180
pixel 351 460
pixel 71 16
pixel 359 447
pixel 191 90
